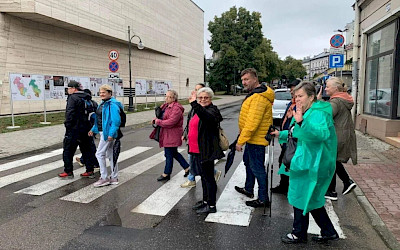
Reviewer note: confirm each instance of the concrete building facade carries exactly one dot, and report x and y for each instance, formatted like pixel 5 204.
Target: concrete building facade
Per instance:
pixel 73 38
pixel 378 62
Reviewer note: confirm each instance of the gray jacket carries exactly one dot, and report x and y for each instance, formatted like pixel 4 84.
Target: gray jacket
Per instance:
pixel 344 126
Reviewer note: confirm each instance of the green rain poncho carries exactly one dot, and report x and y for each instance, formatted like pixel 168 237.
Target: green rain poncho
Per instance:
pixel 314 162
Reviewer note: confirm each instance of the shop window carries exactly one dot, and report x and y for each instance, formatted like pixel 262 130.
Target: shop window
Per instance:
pixel 379 71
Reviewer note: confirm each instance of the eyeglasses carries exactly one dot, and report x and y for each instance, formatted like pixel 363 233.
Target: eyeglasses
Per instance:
pixel 203 97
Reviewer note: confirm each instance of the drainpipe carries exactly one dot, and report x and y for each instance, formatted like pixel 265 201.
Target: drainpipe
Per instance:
pixel 356 48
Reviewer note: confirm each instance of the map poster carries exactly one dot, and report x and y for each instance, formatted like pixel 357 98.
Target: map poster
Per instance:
pixel 162 87
pixel 150 87
pixel 26 87
pixel 140 87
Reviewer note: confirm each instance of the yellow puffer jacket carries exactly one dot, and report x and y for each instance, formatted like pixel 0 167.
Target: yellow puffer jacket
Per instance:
pixel 256 116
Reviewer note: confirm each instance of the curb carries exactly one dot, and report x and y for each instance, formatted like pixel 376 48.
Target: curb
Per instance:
pixel 376 221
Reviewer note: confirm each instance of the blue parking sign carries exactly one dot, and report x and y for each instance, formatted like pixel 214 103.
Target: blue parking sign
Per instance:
pixel 336 61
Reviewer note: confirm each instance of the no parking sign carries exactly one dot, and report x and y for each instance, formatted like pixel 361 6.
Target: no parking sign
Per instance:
pixel 337 41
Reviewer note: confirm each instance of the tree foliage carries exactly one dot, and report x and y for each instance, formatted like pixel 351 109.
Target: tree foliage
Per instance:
pixel 292 68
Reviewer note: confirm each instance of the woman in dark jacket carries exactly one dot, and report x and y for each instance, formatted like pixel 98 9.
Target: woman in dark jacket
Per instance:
pixel 203 140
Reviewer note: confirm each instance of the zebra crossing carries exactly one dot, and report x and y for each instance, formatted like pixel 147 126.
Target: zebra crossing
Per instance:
pixel 230 204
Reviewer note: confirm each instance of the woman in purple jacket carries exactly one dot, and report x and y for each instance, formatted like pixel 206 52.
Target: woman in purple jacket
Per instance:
pixel 171 133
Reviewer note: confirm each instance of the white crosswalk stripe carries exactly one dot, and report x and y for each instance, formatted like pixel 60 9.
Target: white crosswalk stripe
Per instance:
pixel 54 183
pixel 165 198
pixel 90 193
pixel 31 159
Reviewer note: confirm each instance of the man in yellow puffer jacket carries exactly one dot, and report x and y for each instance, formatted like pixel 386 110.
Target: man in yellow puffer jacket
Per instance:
pixel 254 120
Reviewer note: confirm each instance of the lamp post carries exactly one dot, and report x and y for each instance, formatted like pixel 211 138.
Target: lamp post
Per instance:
pixel 139 46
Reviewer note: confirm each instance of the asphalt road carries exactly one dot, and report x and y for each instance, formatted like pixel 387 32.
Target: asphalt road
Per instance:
pixel 52 221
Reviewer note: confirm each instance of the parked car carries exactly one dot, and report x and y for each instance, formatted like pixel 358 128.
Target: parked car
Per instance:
pixel 379 101
pixel 282 99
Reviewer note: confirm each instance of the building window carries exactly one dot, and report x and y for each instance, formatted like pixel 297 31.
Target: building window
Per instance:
pixel 379 71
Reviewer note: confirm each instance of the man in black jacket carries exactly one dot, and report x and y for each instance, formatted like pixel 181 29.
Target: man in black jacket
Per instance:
pixel 77 127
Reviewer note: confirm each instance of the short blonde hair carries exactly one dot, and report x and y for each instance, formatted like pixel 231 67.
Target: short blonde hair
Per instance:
pixel 106 87
pixel 339 83
pixel 174 93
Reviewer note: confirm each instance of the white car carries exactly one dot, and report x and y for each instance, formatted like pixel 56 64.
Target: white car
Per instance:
pixel 282 99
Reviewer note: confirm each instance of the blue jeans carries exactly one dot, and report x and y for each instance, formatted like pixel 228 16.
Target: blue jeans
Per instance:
pixel 254 157
pixel 171 153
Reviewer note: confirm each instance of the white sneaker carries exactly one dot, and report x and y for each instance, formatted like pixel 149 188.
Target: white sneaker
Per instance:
pixel 101 183
pixel 114 181
pixel 217 175
pixel 188 184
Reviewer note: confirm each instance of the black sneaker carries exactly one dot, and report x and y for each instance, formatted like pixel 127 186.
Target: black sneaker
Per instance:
pixel 279 190
pixel 348 187
pixel 292 239
pixel 244 191
pixel 257 203
pixel 332 195
pixel 324 239
pixel 206 210
pixel 199 204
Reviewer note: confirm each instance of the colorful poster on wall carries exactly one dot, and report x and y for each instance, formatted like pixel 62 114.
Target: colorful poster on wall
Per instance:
pixel 27 87
pixel 59 89
pixel 140 87
pixel 161 87
pixel 151 90
pixel 117 86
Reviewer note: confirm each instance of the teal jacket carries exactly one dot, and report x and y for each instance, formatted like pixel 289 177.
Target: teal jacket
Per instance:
pixel 110 118
pixel 314 162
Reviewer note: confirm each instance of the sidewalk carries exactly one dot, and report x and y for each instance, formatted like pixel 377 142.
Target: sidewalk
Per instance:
pixel 23 141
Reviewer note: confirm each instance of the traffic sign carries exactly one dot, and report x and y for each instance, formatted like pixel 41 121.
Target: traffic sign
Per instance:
pixel 337 40
pixel 336 61
pixel 113 75
pixel 336 50
pixel 113 55
pixel 113 66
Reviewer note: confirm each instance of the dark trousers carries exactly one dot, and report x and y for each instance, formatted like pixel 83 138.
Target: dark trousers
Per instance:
pixel 253 158
pixel 300 223
pixel 342 173
pixel 72 140
pixel 208 182
pixel 171 153
pixel 93 151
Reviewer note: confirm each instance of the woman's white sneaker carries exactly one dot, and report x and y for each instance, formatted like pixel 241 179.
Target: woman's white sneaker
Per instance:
pixel 101 183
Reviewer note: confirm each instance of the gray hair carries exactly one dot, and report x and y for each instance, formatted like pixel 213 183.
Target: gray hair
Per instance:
pixel 208 90
pixel 174 93
pixel 308 87
pixel 338 82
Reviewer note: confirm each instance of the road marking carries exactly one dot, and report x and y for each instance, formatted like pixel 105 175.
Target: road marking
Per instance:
pixel 165 198
pixel 90 193
pixel 231 206
pixel 54 183
pixel 34 158
pixel 313 228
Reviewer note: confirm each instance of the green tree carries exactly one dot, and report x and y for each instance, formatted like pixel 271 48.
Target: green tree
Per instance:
pixel 266 61
pixel 237 39
pixel 292 68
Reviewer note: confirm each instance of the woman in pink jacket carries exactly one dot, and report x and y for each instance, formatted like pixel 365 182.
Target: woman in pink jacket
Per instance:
pixel 171 133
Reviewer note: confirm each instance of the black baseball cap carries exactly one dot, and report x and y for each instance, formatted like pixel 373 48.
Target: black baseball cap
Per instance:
pixel 293 83
pixel 74 84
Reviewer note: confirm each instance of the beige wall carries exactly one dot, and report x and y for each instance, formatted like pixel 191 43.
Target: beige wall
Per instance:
pixel 73 38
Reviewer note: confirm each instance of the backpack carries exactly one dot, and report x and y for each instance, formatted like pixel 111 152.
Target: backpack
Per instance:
pixel 122 116
pixel 90 110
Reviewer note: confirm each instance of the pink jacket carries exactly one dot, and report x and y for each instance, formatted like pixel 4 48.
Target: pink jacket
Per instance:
pixel 171 125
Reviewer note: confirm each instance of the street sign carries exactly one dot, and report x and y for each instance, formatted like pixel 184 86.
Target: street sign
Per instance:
pixel 336 50
pixel 336 61
pixel 113 66
pixel 337 41
pixel 113 55
pixel 113 75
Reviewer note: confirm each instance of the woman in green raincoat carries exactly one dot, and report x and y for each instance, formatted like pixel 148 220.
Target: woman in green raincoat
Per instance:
pixel 312 166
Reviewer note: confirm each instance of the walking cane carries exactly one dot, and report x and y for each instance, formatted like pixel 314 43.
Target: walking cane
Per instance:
pixel 269 138
pixel 272 175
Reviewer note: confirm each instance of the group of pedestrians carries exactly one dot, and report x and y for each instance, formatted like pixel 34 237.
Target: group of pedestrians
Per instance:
pixel 81 125
pixel 324 132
